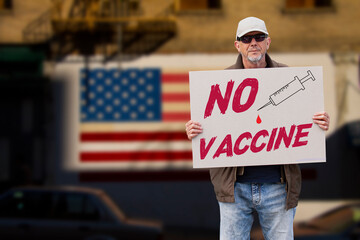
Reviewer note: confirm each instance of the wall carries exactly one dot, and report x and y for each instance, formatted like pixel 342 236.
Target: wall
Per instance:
pixel 291 31
pixel 14 21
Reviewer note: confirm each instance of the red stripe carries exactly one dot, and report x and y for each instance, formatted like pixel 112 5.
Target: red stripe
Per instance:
pixel 136 156
pixel 176 97
pixel 176 117
pixel 190 175
pixel 133 136
pixel 175 78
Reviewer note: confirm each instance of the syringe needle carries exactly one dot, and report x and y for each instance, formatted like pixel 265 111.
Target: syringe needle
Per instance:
pixel 267 104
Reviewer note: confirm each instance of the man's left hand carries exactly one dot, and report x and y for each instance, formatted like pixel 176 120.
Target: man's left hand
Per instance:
pixel 322 119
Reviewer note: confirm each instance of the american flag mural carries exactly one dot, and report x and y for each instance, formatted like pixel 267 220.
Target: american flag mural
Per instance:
pixel 134 118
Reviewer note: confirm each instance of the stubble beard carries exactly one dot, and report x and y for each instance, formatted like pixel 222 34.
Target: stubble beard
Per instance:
pixel 255 59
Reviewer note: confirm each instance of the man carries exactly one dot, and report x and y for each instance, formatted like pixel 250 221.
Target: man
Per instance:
pixel 271 191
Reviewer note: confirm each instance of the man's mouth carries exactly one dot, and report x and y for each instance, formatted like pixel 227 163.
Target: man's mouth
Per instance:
pixel 254 50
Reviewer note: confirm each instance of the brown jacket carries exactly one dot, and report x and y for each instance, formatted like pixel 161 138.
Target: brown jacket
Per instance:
pixel 224 179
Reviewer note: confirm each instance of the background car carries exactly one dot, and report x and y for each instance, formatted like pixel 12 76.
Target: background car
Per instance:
pixel 339 223
pixel 69 213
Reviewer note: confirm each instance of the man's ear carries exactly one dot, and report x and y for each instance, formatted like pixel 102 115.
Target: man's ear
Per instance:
pixel 268 41
pixel 237 45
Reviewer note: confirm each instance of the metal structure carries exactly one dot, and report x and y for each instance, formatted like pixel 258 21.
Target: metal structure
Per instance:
pixel 105 27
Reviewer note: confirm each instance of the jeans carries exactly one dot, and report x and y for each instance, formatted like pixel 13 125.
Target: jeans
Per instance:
pixel 269 201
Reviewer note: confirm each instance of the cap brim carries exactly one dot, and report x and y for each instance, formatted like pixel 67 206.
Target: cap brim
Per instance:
pixel 252 30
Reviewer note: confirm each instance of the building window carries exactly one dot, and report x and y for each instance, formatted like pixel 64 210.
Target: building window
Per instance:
pixel 308 4
pixel 134 7
pixel 184 5
pixel 5 5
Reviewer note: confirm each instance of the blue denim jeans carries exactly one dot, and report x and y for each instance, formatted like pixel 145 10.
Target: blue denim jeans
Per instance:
pixel 269 201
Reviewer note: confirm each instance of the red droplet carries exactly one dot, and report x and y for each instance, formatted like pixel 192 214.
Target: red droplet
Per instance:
pixel 258 120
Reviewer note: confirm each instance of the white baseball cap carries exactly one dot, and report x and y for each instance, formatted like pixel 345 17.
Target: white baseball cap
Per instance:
pixel 250 24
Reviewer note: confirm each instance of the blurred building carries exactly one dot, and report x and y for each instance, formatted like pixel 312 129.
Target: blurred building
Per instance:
pixel 113 28
pixel 43 41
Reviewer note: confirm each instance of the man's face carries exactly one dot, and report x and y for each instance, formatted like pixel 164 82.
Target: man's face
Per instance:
pixel 253 51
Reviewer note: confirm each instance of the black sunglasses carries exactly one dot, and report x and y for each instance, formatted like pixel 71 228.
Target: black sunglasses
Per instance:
pixel 249 38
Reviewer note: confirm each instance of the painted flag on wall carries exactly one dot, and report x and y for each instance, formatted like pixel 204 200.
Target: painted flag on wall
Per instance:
pixel 134 118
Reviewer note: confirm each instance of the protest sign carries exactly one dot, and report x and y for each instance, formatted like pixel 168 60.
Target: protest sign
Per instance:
pixel 257 116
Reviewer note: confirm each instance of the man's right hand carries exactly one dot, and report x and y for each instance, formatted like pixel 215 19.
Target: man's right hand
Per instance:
pixel 193 129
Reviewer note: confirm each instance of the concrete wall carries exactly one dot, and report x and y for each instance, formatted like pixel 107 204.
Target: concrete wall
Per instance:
pixel 12 22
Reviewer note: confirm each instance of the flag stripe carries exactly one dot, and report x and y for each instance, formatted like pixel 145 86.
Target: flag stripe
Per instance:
pixel 176 116
pixel 136 156
pixel 175 107
pixel 176 97
pixel 132 127
pixel 133 136
pixel 175 88
pixel 135 146
pixel 175 78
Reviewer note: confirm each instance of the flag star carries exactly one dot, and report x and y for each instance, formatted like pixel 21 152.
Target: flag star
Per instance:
pixel 149 74
pixel 133 74
pixel 108 95
pixel 133 101
pixel 141 81
pixel 150 115
pixel 100 102
pixel 91 95
pixel 100 115
pixel 92 109
pixel 150 101
pixel 149 88
pixel 117 101
pixel 133 88
pixel 99 75
pixel 108 81
pixel 133 115
pixel 116 88
pixel 117 115
pixel 109 108
pixel 125 94
pixel 100 88
pixel 116 74
pixel 125 108
pixel 125 81
pixel 141 108
pixel 92 81
pixel 141 94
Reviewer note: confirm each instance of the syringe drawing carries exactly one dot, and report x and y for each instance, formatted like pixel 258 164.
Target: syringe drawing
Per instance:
pixel 288 90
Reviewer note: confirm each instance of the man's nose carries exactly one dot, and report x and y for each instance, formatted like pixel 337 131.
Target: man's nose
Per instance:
pixel 253 42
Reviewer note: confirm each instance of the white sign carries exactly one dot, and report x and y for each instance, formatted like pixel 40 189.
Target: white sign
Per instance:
pixel 257 116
